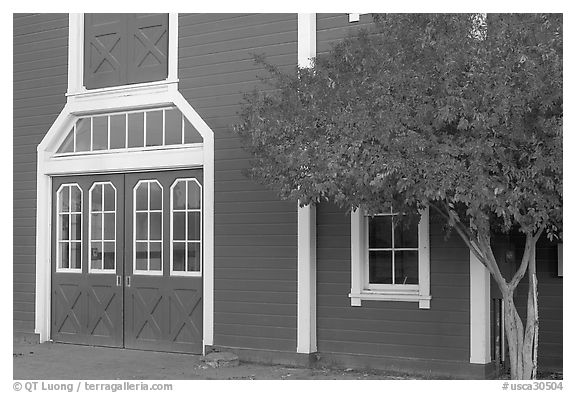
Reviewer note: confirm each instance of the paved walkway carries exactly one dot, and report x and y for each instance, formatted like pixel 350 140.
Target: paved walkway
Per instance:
pixel 67 361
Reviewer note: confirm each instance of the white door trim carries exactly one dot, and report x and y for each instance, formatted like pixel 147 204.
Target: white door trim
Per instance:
pixel 125 97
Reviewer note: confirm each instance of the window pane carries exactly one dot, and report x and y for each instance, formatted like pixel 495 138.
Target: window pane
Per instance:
pixel 154 128
pixel 68 145
pixel 406 267
pixel 155 256
pixel 76 227
pixel 96 198
pixel 142 226
pixel 117 131
pixel 156 226
pixel 406 233
pixel 178 255
pixel 96 255
pixel 141 256
pixel 96 226
pixel 194 226
pixel 76 255
pixel 83 135
pixel 380 270
pixel 173 126
pixel 194 257
pixel 179 226
pixel 76 199
pixel 64 196
pixel 380 232
pixel 136 129
pixel 193 195
pixel 155 196
pixel 109 226
pixel 190 133
pixel 64 261
pixel 179 195
pixel 100 130
pixel 109 253
pixel 109 198
pixel 142 196
pixel 64 227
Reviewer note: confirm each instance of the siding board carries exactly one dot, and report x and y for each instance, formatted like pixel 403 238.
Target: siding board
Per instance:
pixel 394 328
pixel 39 86
pixel 255 233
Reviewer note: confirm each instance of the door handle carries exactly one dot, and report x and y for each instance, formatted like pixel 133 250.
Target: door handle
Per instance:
pixel 118 281
pixel 128 281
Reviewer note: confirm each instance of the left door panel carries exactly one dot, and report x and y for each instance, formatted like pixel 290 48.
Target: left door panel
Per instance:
pixel 88 259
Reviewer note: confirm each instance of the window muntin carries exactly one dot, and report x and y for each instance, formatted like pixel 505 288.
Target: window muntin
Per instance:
pixel 69 228
pixel 392 251
pixel 128 130
pixel 186 227
pixel 148 227
pixel 102 228
pixel 361 288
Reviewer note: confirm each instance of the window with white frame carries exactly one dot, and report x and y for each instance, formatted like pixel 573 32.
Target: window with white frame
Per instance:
pixel 129 130
pixel 102 235
pixel 148 227
pixel 390 258
pixel 186 227
pixel 69 228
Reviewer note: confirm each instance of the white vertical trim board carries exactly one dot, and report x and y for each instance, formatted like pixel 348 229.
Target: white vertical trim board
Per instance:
pixel 306 312
pixel 479 312
pixel 75 53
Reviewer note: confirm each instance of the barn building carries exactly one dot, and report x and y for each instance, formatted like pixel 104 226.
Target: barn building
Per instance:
pixel 135 227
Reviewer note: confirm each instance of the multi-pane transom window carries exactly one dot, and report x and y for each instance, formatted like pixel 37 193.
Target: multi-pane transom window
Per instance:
pixel 392 250
pixel 186 227
pixel 148 227
pixel 102 228
pixel 69 228
pixel 152 128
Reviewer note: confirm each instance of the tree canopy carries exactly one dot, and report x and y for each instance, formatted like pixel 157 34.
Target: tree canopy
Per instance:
pixel 463 111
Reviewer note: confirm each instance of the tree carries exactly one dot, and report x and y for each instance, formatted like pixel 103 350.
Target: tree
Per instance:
pixel 462 113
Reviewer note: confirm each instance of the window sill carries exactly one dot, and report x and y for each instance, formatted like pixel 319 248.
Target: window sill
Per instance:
pixel 423 301
pixel 123 90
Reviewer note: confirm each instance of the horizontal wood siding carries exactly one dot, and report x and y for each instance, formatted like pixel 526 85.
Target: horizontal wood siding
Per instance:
pixel 255 233
pixel 40 79
pixel 550 302
pixel 392 329
pixel 332 28
pixel 397 329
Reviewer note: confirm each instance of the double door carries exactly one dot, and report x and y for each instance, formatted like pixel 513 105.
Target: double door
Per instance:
pixel 127 260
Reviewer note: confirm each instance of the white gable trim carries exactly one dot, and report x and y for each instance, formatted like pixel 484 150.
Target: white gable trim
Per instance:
pixel 119 98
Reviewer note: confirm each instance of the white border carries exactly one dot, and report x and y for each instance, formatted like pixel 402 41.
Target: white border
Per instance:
pixel 58 223
pixel 102 271
pixel 148 241
pixel 405 293
pixel 306 310
pixel 184 273
pixel 154 94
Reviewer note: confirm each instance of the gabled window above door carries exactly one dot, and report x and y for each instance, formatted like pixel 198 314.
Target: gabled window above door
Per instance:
pixel 124 49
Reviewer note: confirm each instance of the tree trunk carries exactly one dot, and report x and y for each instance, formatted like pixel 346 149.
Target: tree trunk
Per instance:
pixel 522 342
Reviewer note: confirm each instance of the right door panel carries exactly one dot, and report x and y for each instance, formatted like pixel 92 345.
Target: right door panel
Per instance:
pixel 163 277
